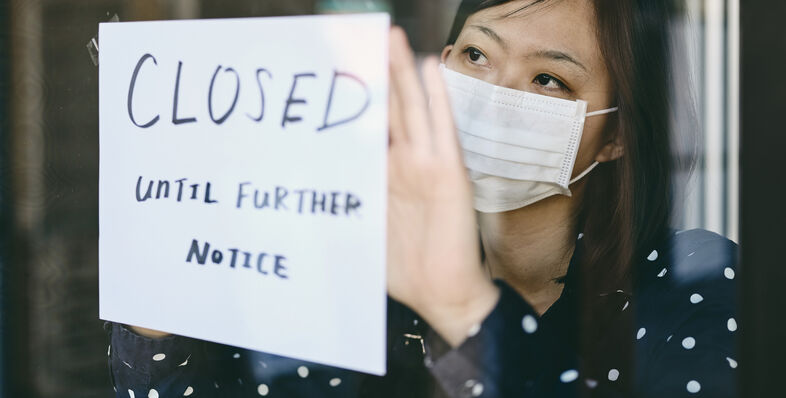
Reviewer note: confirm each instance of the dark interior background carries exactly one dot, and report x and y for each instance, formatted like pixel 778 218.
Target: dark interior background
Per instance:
pixel 53 342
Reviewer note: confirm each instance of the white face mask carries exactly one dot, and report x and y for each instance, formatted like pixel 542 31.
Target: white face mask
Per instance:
pixel 519 147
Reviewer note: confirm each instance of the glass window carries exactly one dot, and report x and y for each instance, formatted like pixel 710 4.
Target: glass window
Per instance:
pixel 54 345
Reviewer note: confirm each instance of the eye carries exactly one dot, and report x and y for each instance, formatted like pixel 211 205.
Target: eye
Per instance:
pixel 476 56
pixel 549 82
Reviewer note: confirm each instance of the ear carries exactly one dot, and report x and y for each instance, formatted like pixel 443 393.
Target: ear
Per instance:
pixel 446 52
pixel 613 150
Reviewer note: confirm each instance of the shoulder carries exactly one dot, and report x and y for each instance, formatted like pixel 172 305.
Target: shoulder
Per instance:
pixel 699 255
pixel 690 257
pixel 689 279
pixel 686 314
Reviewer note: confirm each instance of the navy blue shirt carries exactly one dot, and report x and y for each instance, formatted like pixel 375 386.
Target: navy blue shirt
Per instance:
pixel 678 321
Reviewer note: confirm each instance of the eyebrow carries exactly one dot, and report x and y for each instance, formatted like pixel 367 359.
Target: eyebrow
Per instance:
pixel 558 56
pixel 549 54
pixel 492 34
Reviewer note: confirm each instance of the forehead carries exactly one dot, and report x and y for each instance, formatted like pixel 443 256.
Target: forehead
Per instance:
pixel 564 25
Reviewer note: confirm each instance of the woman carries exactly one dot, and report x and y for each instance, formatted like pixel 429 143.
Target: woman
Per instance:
pixel 581 289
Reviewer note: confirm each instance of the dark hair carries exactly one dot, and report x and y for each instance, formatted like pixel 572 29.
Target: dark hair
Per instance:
pixel 626 206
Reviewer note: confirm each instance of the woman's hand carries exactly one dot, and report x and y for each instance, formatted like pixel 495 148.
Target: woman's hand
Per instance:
pixel 433 250
pixel 153 334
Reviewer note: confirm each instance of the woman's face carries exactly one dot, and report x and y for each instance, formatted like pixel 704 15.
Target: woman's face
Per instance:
pixel 548 48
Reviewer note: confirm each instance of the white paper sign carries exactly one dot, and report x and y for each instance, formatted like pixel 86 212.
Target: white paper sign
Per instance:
pixel 243 182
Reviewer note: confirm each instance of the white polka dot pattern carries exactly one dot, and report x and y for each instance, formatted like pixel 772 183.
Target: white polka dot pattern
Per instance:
pixel 263 390
pixel 685 295
pixel 569 376
pixel 529 324
pixel 641 333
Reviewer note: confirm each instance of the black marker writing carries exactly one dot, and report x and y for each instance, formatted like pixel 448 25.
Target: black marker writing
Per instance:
pixel 265 262
pixel 302 201
pixel 336 75
pixel 341 84
pixel 162 190
pixel 261 96
pixel 131 92
pixel 175 119
pixel 292 100
pixel 223 118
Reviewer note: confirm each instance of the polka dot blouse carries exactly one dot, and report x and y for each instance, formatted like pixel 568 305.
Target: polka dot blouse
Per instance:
pixel 671 336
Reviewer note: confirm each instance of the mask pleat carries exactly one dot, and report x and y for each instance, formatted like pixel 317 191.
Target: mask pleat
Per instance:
pixel 511 170
pixel 512 153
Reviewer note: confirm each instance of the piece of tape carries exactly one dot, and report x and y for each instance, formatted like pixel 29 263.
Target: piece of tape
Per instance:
pixel 92 45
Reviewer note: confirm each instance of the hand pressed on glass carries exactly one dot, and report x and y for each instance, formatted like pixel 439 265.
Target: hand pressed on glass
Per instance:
pixel 433 251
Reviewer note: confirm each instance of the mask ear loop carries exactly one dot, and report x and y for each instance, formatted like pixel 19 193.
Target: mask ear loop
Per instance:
pixel 602 112
pixel 593 165
pixel 584 173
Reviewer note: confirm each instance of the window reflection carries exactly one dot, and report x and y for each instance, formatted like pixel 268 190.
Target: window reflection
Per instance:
pixel 51 173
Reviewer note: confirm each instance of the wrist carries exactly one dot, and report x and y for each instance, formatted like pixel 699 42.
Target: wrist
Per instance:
pixel 153 334
pixel 455 321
